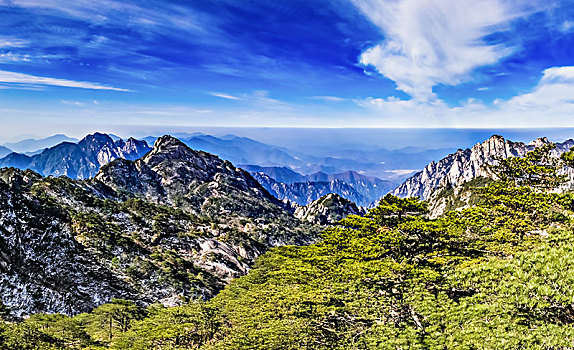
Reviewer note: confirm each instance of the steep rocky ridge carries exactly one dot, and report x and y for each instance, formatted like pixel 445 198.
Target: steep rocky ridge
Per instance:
pixel 468 164
pixel 173 225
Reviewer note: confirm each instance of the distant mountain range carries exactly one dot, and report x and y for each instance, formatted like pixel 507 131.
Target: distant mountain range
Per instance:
pixel 392 165
pixel 240 150
pixel 303 193
pixel 80 160
pixel 286 184
pixel 35 145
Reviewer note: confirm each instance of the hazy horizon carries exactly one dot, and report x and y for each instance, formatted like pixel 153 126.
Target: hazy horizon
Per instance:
pixel 349 138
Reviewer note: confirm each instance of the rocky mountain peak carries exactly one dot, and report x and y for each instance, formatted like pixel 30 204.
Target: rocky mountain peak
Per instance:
pixel 96 139
pixel 166 142
pixel 539 142
pixel 168 147
pixel 495 139
pixel 495 145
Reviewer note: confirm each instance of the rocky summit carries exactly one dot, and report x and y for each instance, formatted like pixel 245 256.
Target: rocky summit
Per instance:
pixel 173 225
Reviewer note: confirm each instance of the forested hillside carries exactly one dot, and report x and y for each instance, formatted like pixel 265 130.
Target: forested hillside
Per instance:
pixel 494 275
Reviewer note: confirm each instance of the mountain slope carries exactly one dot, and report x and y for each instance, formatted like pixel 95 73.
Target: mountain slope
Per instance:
pixel 465 165
pixel 174 225
pixel 81 160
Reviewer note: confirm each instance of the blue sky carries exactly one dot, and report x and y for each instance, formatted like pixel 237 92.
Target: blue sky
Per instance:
pixel 75 65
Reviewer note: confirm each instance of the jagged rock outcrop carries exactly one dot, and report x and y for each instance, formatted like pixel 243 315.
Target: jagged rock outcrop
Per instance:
pixel 173 225
pixel 328 210
pixel 468 164
pixel 80 160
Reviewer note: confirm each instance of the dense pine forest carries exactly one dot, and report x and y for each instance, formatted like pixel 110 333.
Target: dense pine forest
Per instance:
pixel 494 273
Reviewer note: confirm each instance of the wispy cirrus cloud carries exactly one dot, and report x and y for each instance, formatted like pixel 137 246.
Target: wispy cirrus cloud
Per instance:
pixel 431 42
pixel 105 11
pixel 259 97
pixel 20 78
pixel 225 96
pixel 329 98
pixel 11 42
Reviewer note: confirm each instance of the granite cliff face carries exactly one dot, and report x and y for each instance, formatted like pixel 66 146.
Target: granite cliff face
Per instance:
pixel 465 165
pixel 80 160
pixel 173 225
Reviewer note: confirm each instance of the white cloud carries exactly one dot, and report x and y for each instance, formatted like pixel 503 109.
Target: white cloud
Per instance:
pixel 161 14
pixel 549 104
pixel 225 96
pixel 257 97
pixel 554 93
pixel 566 26
pixel 7 57
pixel 329 98
pixel 430 42
pixel 9 42
pixel 20 78
pixel 72 103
